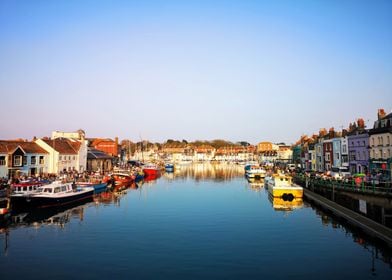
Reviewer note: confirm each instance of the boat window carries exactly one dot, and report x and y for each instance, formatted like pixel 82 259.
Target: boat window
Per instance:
pixel 57 189
pixel 63 188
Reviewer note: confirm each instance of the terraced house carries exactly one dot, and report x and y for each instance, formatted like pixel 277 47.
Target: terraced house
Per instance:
pixel 380 137
pixel 19 157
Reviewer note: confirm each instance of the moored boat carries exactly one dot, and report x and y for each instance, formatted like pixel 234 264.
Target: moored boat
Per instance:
pixel 169 167
pixel 25 188
pixel 255 171
pixel 119 178
pixel 54 194
pixel 281 185
pixel 151 170
pixel 98 187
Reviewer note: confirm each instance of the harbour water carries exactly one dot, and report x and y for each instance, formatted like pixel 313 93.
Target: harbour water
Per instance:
pixel 200 222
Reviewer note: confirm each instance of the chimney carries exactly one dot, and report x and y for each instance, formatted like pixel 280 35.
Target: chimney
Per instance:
pixel 361 123
pixel 322 132
pixel 344 132
pixel 331 133
pixel 116 145
pixel 381 114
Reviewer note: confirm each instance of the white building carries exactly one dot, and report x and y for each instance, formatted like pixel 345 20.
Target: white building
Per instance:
pixel 65 154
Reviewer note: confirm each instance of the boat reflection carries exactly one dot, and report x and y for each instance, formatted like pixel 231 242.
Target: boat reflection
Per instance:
pixel 255 184
pixel 280 204
pixel 58 216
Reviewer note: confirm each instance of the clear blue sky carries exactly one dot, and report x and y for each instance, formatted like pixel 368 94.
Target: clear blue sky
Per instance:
pixel 234 70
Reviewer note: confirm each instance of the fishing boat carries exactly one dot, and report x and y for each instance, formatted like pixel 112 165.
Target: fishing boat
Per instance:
pixel 54 194
pixel 281 185
pixel 98 187
pixel 119 178
pixel 151 170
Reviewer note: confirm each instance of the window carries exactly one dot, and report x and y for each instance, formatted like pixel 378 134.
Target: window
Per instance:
pixel 382 140
pixel 41 160
pixel 74 157
pixel 17 160
pixel 373 141
pixel 363 143
pixel 344 150
pixel 24 160
pixel 380 156
pixel 33 160
pixel 59 157
pixel 388 140
pixel 2 160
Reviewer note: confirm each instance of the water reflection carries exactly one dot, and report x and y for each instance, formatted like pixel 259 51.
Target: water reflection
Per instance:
pixel 209 171
pixel 376 249
pixel 279 204
pixel 196 236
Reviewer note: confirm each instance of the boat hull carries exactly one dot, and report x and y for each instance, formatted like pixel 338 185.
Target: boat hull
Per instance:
pixel 98 187
pixel 289 191
pixel 151 172
pixel 33 202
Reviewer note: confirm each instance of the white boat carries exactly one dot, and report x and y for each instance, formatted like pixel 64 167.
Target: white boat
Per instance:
pixel 54 194
pixel 255 171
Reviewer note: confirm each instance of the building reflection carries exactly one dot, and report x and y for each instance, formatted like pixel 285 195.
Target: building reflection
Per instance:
pixel 376 248
pixel 207 171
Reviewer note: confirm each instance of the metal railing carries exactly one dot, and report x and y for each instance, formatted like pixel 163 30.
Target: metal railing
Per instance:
pixel 351 185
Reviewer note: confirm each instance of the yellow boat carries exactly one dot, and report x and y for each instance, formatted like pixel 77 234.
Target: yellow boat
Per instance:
pixel 281 185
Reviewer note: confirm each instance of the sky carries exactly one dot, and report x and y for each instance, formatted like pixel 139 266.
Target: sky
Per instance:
pixel 196 70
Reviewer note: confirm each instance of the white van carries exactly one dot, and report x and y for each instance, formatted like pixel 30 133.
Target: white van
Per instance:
pixel 340 172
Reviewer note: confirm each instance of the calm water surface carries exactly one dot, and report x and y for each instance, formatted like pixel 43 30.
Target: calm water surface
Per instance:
pixel 203 222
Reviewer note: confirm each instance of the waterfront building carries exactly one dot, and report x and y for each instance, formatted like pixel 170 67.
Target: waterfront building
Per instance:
pixel 310 156
pixel 64 154
pixel 344 149
pixel 328 154
pixel 337 152
pixel 358 143
pixel 266 147
pixel 174 152
pixel 22 158
pixel 319 155
pixel 204 153
pixel 98 161
pixel 380 138
pixel 106 145
pixel 284 153
pixel 266 157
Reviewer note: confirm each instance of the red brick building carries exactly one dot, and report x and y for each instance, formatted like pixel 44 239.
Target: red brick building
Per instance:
pixel 106 145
